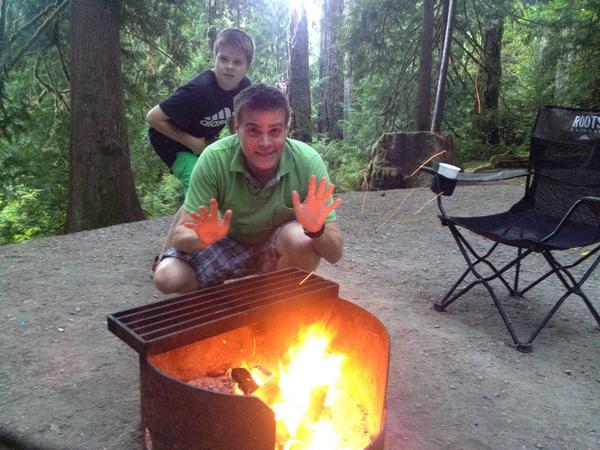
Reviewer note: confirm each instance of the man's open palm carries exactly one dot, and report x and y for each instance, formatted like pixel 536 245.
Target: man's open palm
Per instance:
pixel 313 211
pixel 207 225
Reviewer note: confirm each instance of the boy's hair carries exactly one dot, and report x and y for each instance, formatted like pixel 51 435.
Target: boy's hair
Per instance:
pixel 237 38
pixel 260 97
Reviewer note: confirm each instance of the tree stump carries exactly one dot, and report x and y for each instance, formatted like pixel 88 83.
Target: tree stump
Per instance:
pixel 395 156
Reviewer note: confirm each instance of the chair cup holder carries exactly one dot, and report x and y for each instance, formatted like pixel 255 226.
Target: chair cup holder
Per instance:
pixel 443 185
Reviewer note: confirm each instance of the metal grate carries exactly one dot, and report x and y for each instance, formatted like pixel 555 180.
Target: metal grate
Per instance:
pixel 168 324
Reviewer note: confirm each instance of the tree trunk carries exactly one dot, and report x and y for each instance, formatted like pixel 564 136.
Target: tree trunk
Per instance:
pixel 330 72
pixel 423 108
pixel 490 77
pixel 101 187
pixel 212 12
pixel 298 86
pixel 440 93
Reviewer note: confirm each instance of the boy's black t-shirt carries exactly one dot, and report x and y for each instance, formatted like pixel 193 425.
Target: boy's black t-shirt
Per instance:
pixel 200 108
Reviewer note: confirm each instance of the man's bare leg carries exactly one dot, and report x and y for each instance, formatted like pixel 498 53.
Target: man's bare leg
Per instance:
pixel 174 275
pixel 296 249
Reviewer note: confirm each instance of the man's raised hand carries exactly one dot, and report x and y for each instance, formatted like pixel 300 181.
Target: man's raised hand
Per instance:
pixel 207 225
pixel 313 211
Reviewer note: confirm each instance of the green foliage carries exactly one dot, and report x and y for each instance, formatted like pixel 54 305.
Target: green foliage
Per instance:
pixel 267 22
pixel 163 198
pixel 549 56
pixel 345 163
pixel 25 214
pixel 382 50
pixel 33 194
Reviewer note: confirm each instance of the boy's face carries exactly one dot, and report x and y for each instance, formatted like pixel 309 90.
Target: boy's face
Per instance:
pixel 230 67
pixel 262 137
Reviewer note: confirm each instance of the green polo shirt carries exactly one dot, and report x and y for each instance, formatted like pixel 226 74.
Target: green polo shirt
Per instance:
pixel 220 173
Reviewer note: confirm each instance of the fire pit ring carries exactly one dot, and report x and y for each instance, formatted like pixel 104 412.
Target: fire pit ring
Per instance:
pixel 217 328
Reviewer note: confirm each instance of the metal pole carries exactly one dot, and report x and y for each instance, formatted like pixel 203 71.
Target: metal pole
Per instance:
pixel 438 108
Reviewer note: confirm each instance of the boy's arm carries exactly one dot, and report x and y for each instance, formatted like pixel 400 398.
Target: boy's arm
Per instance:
pixel 158 120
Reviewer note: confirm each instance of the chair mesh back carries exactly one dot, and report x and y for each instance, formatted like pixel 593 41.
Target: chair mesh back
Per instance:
pixel 565 157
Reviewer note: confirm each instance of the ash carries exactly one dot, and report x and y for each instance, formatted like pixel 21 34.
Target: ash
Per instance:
pixel 222 384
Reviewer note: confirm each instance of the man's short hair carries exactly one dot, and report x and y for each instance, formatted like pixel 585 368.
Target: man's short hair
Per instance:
pixel 236 38
pixel 260 97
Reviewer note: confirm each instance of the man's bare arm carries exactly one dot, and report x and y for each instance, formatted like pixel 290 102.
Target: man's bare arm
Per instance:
pixel 195 231
pixel 185 239
pixel 330 244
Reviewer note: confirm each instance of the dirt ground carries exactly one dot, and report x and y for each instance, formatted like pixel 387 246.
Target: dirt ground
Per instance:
pixel 66 382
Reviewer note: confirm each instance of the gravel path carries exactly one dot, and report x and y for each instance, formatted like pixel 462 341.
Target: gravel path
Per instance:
pixel 454 383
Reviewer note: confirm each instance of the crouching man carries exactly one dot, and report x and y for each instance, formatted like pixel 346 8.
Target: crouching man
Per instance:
pixel 257 201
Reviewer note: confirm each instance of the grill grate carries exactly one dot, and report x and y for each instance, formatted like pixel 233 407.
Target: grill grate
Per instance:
pixel 168 324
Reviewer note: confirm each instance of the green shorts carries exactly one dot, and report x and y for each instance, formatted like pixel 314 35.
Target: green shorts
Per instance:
pixel 183 166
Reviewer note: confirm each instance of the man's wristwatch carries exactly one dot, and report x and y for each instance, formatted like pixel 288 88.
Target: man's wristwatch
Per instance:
pixel 316 234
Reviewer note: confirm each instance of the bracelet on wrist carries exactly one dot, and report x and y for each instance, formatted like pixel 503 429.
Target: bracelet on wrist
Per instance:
pixel 315 234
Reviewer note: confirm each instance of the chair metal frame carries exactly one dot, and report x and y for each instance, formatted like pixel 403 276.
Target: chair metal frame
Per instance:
pixel 475 259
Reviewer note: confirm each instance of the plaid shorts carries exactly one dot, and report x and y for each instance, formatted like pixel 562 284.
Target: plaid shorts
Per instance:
pixel 228 258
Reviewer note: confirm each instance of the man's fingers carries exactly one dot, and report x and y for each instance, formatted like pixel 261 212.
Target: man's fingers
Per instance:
pixel 311 185
pixel 213 207
pixel 330 189
pixel 296 198
pixel 337 202
pixel 321 188
pixel 227 218
pixel 202 213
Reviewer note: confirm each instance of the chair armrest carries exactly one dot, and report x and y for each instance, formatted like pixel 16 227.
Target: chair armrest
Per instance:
pixel 440 184
pixel 492 176
pixel 569 213
pixel 484 176
pixel 428 169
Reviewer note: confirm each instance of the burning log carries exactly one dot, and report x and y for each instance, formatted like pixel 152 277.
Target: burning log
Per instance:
pixel 269 391
pixel 244 380
pixel 317 403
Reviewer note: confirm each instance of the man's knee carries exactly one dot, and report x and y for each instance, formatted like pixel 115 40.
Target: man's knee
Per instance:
pixel 295 249
pixel 173 275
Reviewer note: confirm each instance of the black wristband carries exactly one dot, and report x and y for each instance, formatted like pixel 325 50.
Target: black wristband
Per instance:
pixel 316 234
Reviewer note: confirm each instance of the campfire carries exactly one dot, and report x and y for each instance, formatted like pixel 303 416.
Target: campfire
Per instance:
pixel 260 363
pixel 313 394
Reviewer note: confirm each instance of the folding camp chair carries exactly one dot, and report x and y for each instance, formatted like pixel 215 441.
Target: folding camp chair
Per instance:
pixel 560 210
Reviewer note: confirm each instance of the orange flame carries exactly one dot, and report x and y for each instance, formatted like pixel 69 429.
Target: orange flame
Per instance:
pixel 306 394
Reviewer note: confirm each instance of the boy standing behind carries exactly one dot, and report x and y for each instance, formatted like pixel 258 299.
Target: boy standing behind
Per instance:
pixel 190 119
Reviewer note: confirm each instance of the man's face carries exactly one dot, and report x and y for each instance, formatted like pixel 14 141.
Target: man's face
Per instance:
pixel 230 67
pixel 262 137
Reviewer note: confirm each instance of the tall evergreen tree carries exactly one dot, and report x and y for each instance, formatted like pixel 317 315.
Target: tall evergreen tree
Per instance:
pixel 491 73
pixel 331 74
pixel 423 108
pixel 101 185
pixel 298 85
